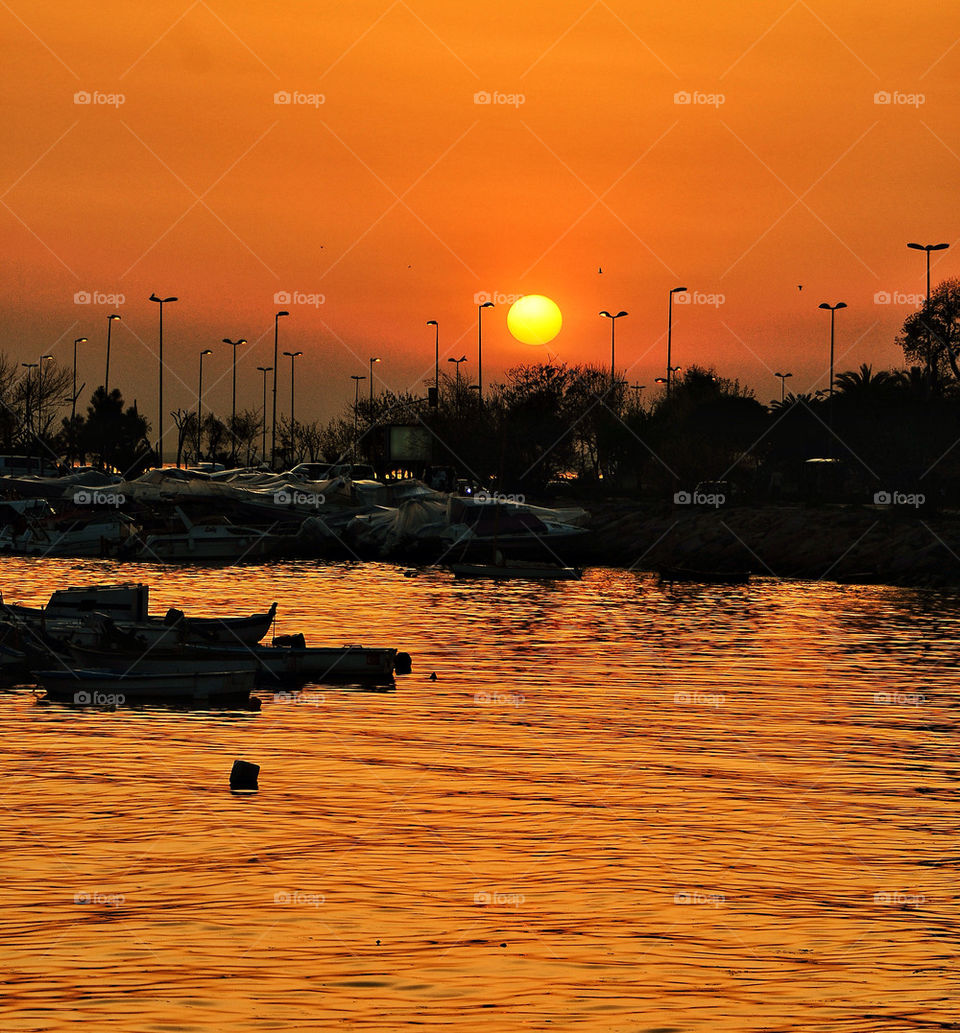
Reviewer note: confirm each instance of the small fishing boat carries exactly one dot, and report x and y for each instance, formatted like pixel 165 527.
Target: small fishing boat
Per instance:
pixel 515 570
pixel 718 577
pixel 106 688
pixel 211 541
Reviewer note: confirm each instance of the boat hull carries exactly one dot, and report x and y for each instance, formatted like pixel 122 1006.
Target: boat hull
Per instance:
pixel 100 687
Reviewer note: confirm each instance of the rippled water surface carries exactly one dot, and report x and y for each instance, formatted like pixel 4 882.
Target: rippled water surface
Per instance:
pixel 619 807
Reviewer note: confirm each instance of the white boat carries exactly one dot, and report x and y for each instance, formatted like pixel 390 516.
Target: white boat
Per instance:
pixel 93 534
pixel 99 687
pixel 210 541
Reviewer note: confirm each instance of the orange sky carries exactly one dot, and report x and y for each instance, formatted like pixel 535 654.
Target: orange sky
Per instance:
pixel 398 198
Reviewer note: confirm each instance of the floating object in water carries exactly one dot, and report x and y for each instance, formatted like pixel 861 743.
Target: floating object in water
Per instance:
pixel 433 677
pixel 243 776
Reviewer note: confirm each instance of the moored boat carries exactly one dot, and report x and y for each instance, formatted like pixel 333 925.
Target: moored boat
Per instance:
pixel 98 687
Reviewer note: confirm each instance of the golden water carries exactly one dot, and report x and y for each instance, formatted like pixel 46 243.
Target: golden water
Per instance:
pixel 620 807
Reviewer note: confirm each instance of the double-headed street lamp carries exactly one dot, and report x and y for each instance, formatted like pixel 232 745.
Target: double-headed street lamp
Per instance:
pixel 233 407
pixel 436 360
pixel 832 309
pixel 161 302
pixel 372 361
pixel 275 367
pixel 783 377
pixel 480 308
pixel 673 290
pixel 106 375
pixel 73 400
pixel 293 422
pixel 928 248
pixel 206 351
pixel 462 358
pixel 356 378
pixel 613 327
pixel 263 434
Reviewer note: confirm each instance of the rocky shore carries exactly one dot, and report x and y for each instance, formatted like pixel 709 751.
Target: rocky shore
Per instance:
pixel 832 542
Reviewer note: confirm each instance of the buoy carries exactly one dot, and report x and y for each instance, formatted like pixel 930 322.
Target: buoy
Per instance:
pixel 243 776
pixel 433 677
pixel 402 663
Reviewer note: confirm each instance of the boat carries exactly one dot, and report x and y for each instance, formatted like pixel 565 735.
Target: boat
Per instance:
pixel 515 570
pixel 92 534
pixel 213 540
pixel 85 615
pixel 719 577
pixel 106 688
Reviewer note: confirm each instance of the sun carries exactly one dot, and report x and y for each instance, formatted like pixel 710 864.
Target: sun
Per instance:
pixel 534 319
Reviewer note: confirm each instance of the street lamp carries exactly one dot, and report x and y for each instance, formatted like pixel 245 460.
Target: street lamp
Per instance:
pixel 462 358
pixel 106 376
pixel 73 401
pixel 233 407
pixel 356 401
pixel 436 360
pixel 613 326
pixel 832 309
pixel 673 290
pixel 783 377
pixel 372 361
pixel 293 422
pixel 275 367
pixel 161 302
pixel 40 395
pixel 263 435
pixel 206 351
pixel 638 388
pixel 928 248
pixel 480 308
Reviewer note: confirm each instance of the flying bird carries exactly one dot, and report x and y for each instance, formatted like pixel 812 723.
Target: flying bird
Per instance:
pixel 799 286
pixel 600 270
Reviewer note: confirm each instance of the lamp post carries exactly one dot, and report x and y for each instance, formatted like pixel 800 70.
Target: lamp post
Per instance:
pixel 233 407
pixel 275 367
pixel 293 421
pixel 673 290
pixel 263 435
pixel 480 308
pixel 106 375
pixel 613 327
pixel 436 360
pixel 372 361
pixel 783 377
pixel 928 248
pixel 356 401
pixel 40 395
pixel 161 302
pixel 462 358
pixel 73 400
pixel 29 366
pixel 206 351
pixel 832 309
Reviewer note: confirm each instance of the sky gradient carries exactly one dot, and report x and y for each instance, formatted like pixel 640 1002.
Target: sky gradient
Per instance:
pixel 740 152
